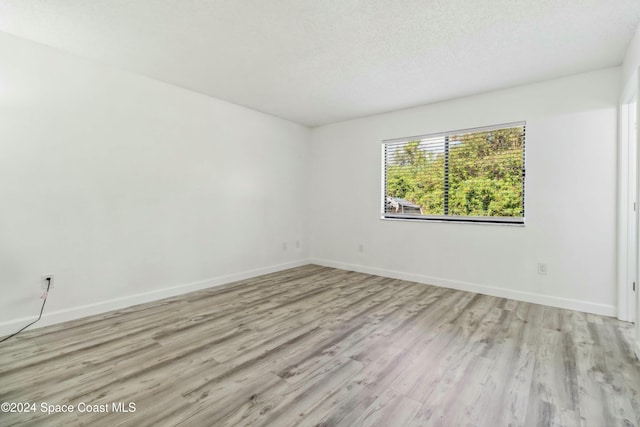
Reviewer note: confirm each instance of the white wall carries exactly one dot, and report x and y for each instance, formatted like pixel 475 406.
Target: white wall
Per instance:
pixel 631 60
pixel 124 187
pixel 570 197
pixel 630 86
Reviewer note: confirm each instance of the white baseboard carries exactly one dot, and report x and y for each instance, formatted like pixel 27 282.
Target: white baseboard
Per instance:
pixel 570 304
pixel 59 316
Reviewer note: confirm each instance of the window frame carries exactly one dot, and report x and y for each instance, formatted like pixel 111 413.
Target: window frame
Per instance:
pixel 500 220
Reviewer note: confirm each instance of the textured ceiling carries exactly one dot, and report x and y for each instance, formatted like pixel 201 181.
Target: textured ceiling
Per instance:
pixel 321 61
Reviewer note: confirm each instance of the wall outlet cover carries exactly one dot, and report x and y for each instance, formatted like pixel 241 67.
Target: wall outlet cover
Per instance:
pixel 44 282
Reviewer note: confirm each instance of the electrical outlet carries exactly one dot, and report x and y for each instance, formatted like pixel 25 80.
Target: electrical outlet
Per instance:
pixel 284 246
pixel 46 280
pixel 542 268
pixel 297 244
pixel 360 247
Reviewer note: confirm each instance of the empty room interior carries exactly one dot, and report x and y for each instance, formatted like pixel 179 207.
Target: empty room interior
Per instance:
pixel 319 213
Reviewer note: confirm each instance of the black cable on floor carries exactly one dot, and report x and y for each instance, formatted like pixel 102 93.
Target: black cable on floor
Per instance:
pixel 39 317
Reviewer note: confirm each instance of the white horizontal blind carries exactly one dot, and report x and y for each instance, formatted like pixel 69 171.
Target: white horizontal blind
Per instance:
pixel 467 175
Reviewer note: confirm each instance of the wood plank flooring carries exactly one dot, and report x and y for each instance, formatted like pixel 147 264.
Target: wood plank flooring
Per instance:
pixel 316 346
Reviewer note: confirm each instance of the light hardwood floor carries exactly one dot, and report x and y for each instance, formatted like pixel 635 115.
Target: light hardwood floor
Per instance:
pixel 316 346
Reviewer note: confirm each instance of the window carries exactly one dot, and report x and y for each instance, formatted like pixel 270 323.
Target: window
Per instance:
pixel 468 175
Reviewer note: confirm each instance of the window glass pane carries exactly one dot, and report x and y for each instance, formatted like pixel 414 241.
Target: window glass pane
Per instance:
pixel 485 173
pixel 415 183
pixel 476 174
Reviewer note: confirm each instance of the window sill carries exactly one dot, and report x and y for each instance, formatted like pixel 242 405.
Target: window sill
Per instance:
pixel 455 221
